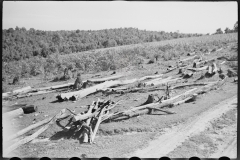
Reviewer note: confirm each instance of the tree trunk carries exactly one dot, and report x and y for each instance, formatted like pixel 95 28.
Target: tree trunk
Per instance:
pixel 100 80
pixel 13 113
pixel 85 134
pixel 27 139
pixel 82 93
pixel 198 69
pixel 97 125
pixel 25 130
pixel 191 54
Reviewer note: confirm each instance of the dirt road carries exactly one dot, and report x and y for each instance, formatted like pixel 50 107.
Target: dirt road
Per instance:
pixel 173 138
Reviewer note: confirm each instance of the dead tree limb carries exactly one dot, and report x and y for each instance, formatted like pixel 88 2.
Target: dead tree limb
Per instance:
pixel 14 113
pixel 100 80
pixel 85 135
pixel 33 136
pixel 25 130
pixel 198 69
pixel 82 93
pixel 97 125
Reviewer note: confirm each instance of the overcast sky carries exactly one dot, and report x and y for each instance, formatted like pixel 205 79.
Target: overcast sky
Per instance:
pixel 187 17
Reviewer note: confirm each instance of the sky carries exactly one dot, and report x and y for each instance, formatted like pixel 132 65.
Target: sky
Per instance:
pixel 185 17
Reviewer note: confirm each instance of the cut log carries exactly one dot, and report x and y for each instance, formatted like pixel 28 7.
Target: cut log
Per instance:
pixel 150 77
pixel 100 80
pixel 185 94
pixel 222 62
pixel 184 100
pixel 206 61
pixel 162 110
pixel 29 128
pixel 210 70
pixel 6 94
pixel 170 102
pixel 13 113
pixel 8 108
pixel 187 59
pixel 187 74
pixel 191 54
pixel 198 69
pixel 82 93
pixel 144 109
pixel 170 69
pixel 54 87
pixel 85 134
pixel 30 109
pixel 80 117
pixel 22 90
pixel 215 68
pixel 29 138
pixel 219 50
pixel 152 98
pixel 159 81
pixel 188 84
pixel 97 125
pixel 155 80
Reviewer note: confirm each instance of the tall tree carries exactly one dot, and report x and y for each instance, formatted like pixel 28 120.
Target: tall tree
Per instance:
pixel 219 31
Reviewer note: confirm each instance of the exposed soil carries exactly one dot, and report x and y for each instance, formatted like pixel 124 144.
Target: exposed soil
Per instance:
pixel 125 138
pixel 191 128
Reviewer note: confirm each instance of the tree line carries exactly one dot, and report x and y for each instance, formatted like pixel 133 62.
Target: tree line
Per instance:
pixel 227 30
pixel 20 43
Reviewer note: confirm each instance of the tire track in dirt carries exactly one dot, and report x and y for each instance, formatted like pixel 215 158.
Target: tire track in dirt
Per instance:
pixel 176 136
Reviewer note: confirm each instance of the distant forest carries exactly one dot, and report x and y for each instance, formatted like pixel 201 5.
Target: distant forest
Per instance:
pixel 19 43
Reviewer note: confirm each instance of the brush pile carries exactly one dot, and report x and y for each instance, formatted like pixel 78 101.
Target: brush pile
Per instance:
pixel 91 119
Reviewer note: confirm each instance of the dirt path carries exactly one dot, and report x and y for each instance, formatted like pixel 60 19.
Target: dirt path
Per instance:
pixel 175 137
pixel 228 150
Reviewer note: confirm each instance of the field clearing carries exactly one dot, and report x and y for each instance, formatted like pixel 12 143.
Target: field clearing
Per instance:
pixel 119 138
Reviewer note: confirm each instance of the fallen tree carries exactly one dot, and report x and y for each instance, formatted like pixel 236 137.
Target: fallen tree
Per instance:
pixel 191 94
pixel 189 58
pixel 20 111
pixel 29 138
pixel 144 108
pixel 198 69
pixel 100 80
pixel 191 54
pixel 22 90
pixel 82 93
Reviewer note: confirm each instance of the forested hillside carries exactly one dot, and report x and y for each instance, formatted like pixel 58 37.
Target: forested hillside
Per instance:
pixel 19 43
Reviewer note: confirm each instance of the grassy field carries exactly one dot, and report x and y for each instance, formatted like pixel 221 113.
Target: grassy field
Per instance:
pixel 119 57
pixel 111 58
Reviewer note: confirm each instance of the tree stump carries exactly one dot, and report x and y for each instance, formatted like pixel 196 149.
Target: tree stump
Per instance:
pixel 78 82
pixel 152 98
pixel 16 80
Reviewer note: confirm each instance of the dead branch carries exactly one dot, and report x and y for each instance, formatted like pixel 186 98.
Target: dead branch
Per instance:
pixel 198 69
pixel 100 80
pixel 33 136
pixel 82 93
